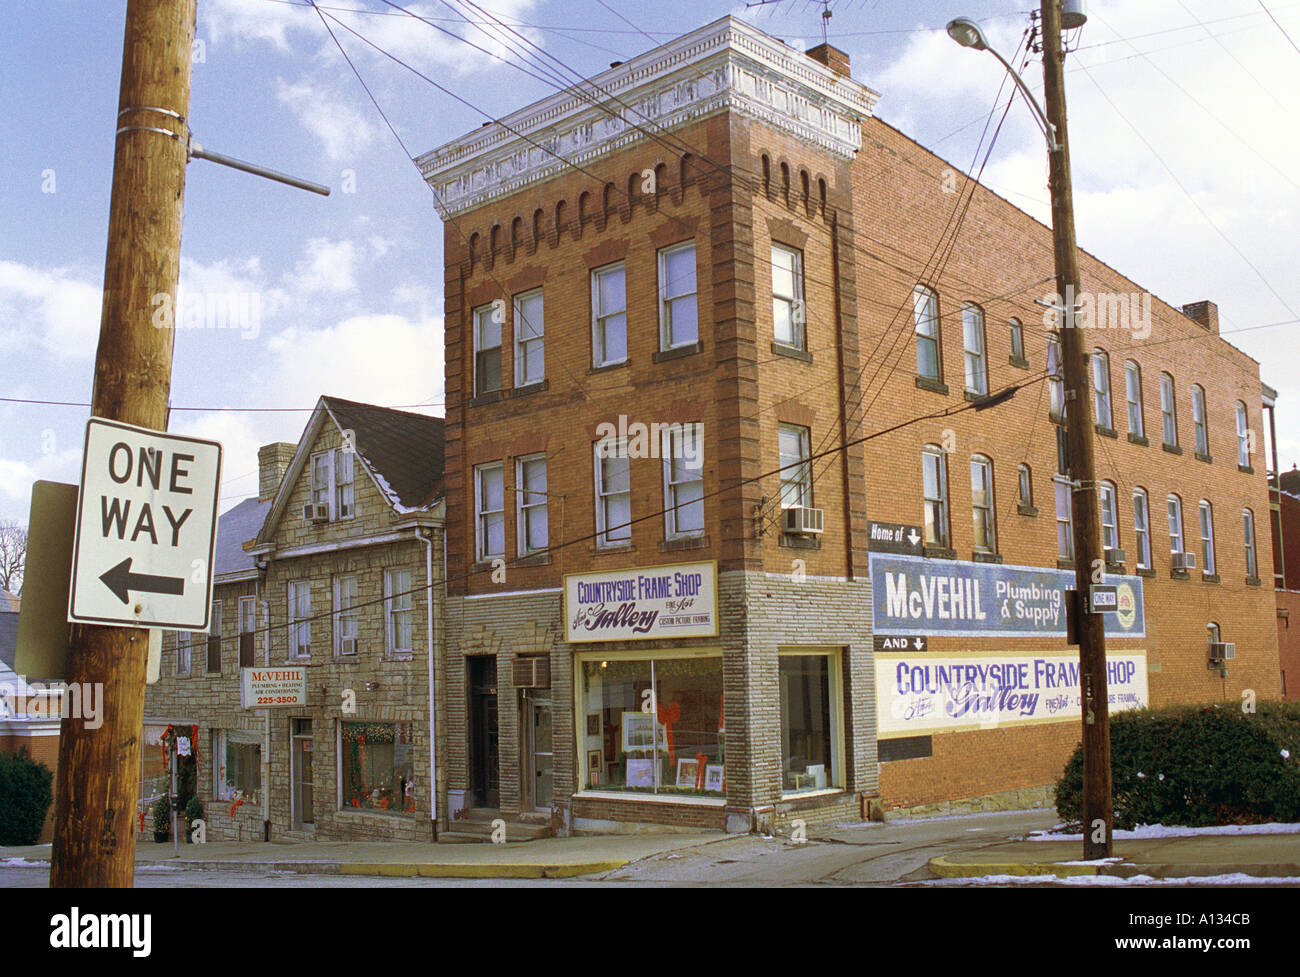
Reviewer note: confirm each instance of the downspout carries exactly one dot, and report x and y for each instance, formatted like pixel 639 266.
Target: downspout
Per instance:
pixel 428 608
pixel 266 713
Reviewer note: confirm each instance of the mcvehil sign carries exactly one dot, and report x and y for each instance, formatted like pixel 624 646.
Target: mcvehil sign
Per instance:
pixel 676 601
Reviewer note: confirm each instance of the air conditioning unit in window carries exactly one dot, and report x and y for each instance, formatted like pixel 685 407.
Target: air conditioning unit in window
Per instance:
pixel 347 646
pixel 315 513
pixel 1115 557
pixel 1223 651
pixel 345 510
pixel 532 672
pixel 1184 561
pixel 801 520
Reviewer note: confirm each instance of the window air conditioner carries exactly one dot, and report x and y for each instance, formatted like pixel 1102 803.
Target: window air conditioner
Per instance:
pixel 802 521
pixel 532 672
pixel 1115 557
pixel 1184 561
pixel 347 646
pixel 1224 651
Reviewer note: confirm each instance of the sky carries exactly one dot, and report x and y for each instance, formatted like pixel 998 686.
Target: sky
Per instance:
pixel 1182 137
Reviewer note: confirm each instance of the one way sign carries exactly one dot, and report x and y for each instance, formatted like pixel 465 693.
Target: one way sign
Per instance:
pixel 146 521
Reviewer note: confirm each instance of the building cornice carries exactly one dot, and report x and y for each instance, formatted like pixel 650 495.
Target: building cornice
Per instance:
pixel 725 66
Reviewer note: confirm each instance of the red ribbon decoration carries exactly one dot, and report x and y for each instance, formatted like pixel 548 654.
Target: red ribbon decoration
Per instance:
pixel 668 716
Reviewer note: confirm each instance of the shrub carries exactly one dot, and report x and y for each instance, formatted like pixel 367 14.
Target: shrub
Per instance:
pixel 26 792
pixel 1196 766
pixel 162 819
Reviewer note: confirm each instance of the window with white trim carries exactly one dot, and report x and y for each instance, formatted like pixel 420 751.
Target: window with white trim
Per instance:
pixel 972 330
pixel 678 303
pixel 530 338
pixel 1109 516
pixel 1198 420
pixel 1142 528
pixel 934 490
pixel 609 314
pixel 1101 389
pixel 487 347
pixel 247 631
pixel 981 492
pixel 346 616
pixel 214 639
pixel 787 296
pixel 1243 436
pixel 333 483
pixel 925 309
pixel 1208 565
pixel 1017 339
pixel 1064 520
pixel 1248 531
pixel 238 768
pixel 399 604
pixel 489 511
pixel 1175 524
pixel 1168 413
pixel 792 448
pixel 1055 378
pixel 1133 392
pixel 683 454
pixel 530 499
pixel 299 619
pixel 1026 478
pixel 613 493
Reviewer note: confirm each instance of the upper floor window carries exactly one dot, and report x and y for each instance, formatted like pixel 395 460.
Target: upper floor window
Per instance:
pixel 981 493
pixel 925 307
pixel 299 619
pixel 530 338
pixel 1168 413
pixel 489 511
pixel 787 296
pixel 683 454
pixel 247 623
pixel 1142 528
pixel 1243 437
pixel 613 493
pixel 214 639
pixel 972 330
pixel 1198 420
pixel 1101 389
pixel 346 618
pixel 678 303
pixel 332 483
pixel 1248 531
pixel 934 490
pixel 609 314
pixel 1026 478
pixel 1109 517
pixel 487 347
pixel 1207 537
pixel 1133 391
pixel 1017 340
pixel 1175 524
pixel 399 603
pixel 1055 378
pixel 531 517
pixel 1064 520
pixel 796 472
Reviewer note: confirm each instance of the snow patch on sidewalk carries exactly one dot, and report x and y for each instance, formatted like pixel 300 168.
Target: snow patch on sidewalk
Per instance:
pixel 1179 831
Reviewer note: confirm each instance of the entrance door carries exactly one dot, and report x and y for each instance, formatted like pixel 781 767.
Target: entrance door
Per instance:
pixel 540 752
pixel 484 755
pixel 300 772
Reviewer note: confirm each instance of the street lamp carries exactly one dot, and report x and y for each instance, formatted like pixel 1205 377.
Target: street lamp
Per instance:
pixel 1098 809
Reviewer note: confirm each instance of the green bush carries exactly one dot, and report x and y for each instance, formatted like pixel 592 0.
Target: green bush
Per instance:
pixel 26 792
pixel 162 819
pixel 1197 766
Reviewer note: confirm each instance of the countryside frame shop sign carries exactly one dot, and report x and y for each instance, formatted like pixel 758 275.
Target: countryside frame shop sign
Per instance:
pixel 146 528
pixel 676 601
pixel 268 688
pixel 912 595
pixel 927 693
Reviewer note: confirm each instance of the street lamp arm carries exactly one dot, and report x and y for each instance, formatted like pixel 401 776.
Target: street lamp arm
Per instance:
pixel 1049 130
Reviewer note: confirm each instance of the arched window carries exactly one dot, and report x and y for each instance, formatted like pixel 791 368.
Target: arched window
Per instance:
pixel 767 176
pixel 560 218
pixel 807 196
pixel 494 240
pixel 934 490
pixel 821 193
pixel 1243 436
pixel 977 364
pixel 584 208
pixel 1168 412
pixel 1109 516
pixel 1101 389
pixel 1025 476
pixel 537 225
pixel 1133 393
pixel 1176 546
pixel 516 233
pixel 1141 529
pixel 1208 565
pixel 1017 341
pixel 607 201
pixel 1248 532
pixel 925 307
pixel 785 183
pixel 1199 420
pixel 981 495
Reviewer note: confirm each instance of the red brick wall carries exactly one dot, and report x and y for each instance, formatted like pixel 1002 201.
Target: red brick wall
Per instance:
pixel 1288 640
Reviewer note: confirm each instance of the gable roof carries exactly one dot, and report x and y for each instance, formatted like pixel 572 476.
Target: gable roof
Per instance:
pixel 234 529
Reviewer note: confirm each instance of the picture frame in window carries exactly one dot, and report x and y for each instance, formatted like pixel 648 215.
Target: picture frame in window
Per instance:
pixel 639 732
pixel 593 724
pixel 688 772
pixel 640 772
pixel 595 766
pixel 714 778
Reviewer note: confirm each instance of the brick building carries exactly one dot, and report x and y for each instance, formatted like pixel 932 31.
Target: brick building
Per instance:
pixel 1286 559
pixel 647 621
pixel 327 569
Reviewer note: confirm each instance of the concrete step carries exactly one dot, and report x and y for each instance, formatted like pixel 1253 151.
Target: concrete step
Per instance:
pixel 467 830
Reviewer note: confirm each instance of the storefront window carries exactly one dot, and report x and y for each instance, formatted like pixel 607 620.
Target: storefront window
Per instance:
pixel 378 768
pixel 653 726
pixel 809 708
pixel 239 765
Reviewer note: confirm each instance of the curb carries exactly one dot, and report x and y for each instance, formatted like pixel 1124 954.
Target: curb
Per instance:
pixel 470 870
pixel 945 869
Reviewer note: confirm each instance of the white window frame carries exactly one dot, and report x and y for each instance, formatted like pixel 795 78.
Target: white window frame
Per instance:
pixel 1100 364
pixel 975 348
pixel 791 477
pixel 1055 378
pixel 344 615
pixel 299 593
pixel 399 598
pixel 602 318
pixel 794 303
pixel 246 621
pixel 669 296
pixel 1168 411
pixel 835 682
pixel 322 480
pixel 336 468
pixel 1177 541
pixel 526 507
pixel 1133 395
pixel 1200 420
pixel 483 518
pixel 528 333
pixel 1064 500
pixel 1142 528
pixel 1109 499
pixel 1209 566
pixel 611 449
pixel 214 631
pixel 925 312
pixel 1243 435
pixel 1017 339
pixel 983 514
pixel 1025 484
pixel 678 478
pixel 487 314
pixel 1248 531
pixel 939 501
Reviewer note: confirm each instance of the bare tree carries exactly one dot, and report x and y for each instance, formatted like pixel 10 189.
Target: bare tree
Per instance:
pixel 13 553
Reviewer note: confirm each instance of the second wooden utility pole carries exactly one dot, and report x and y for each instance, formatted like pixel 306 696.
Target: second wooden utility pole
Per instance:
pixel 99 769
pixel 1098 814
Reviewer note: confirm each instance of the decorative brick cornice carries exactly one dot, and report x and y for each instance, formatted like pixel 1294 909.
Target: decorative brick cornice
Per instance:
pixel 725 66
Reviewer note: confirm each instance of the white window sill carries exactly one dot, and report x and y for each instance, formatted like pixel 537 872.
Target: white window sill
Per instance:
pixel 798 795
pixel 637 796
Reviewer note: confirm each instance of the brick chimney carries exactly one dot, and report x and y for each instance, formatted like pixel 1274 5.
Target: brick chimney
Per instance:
pixel 1204 312
pixel 832 57
pixel 272 462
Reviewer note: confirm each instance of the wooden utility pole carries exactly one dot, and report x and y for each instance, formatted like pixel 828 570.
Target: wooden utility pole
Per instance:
pixel 1098 813
pixel 99 769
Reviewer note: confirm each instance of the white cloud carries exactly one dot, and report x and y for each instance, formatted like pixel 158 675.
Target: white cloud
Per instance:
pixel 17 476
pixel 328 266
pixel 254 20
pixel 343 130
pixel 50 308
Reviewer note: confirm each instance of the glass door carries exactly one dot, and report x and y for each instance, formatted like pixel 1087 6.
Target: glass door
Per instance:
pixel 300 772
pixel 541 751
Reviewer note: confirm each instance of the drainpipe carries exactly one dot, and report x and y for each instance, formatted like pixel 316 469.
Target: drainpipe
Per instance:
pixel 428 607
pixel 266 713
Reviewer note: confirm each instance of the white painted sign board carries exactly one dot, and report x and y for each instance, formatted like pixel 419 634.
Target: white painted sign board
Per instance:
pixel 146 529
pixel 266 688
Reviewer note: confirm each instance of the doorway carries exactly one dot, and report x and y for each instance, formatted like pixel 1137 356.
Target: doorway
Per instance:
pixel 539 752
pixel 484 749
pixel 300 773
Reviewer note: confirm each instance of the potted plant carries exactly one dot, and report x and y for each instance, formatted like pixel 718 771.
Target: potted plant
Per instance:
pixel 193 812
pixel 162 816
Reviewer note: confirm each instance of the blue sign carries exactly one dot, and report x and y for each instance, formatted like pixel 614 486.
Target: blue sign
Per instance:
pixel 913 595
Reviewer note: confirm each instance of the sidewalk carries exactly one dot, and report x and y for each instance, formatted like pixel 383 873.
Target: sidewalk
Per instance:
pixel 1260 855
pixel 546 858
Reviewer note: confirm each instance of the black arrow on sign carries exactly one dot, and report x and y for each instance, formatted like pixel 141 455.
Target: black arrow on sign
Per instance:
pixel 120 579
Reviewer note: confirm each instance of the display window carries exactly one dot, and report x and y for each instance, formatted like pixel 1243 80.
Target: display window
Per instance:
pixel 378 769
pixel 811 721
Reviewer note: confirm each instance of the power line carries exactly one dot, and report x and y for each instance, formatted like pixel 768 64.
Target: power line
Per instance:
pixel 1279 26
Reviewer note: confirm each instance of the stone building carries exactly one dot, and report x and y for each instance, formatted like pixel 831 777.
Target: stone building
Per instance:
pixel 671 600
pixel 336 567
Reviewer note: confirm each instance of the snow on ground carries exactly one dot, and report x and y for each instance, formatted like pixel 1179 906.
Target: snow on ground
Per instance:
pixel 29 863
pixel 1234 878
pixel 1179 831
